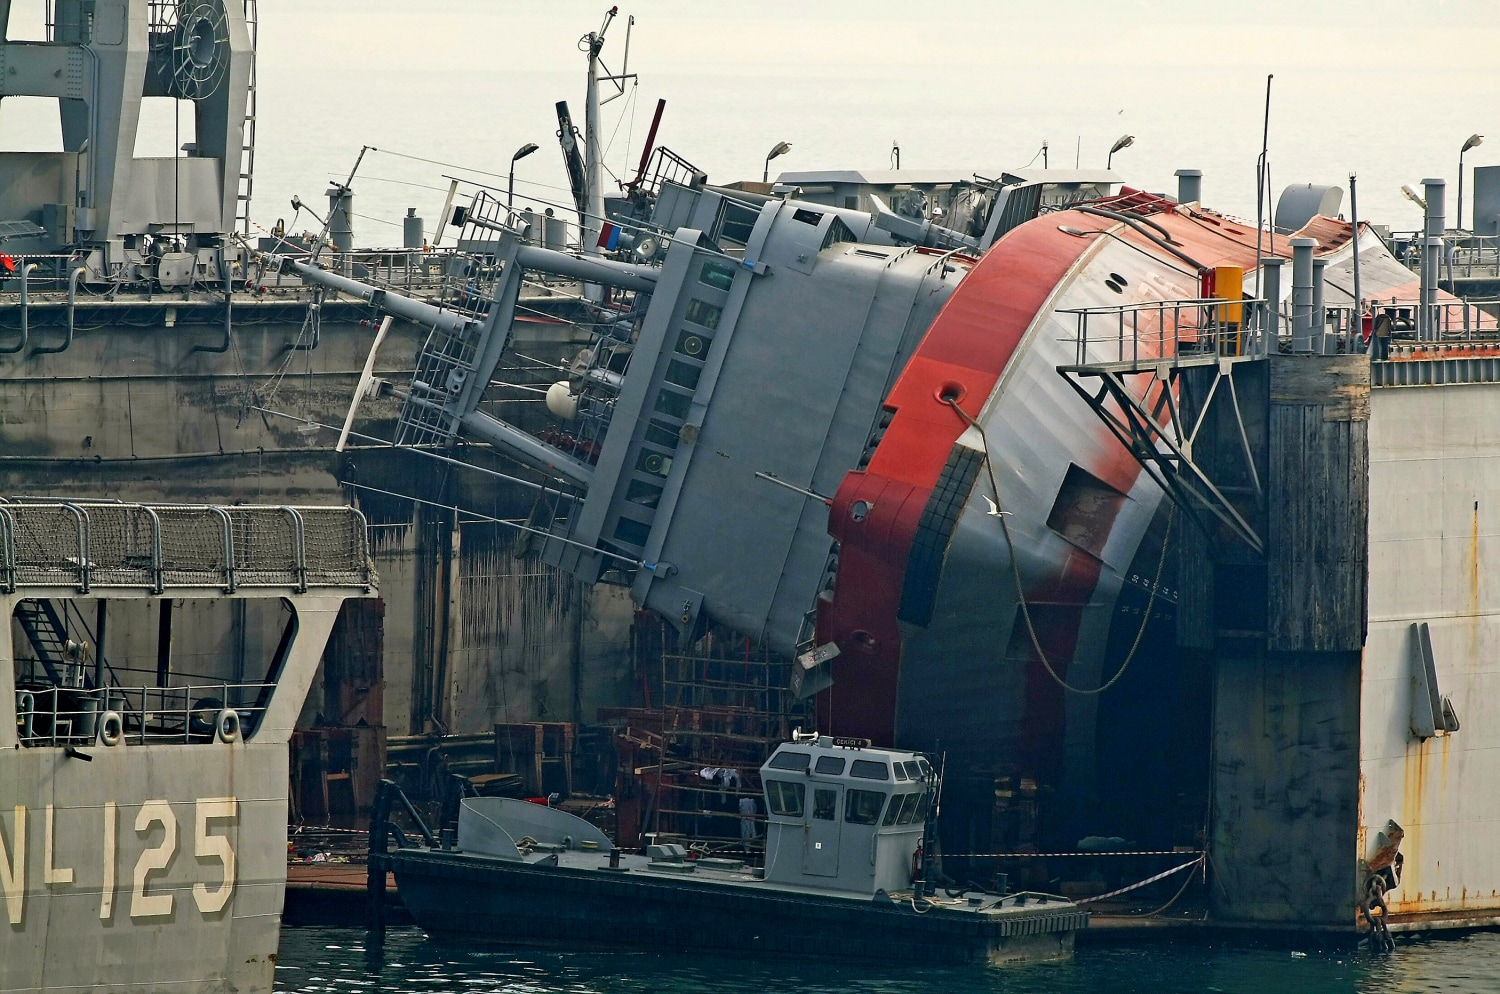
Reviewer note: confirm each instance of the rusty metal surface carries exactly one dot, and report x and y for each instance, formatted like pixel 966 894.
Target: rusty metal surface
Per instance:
pixel 1433 525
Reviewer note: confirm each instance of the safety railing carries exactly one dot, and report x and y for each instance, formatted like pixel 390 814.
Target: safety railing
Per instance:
pixel 1171 331
pixel 154 546
pixel 197 713
pixel 1465 255
pixel 666 166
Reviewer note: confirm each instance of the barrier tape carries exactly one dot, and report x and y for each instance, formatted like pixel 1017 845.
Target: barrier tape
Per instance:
pixel 1143 883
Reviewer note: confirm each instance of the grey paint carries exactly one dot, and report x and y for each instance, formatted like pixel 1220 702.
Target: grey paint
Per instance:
pixel 1486 200
pixel 1300 203
pixel 101 80
pixel 838 854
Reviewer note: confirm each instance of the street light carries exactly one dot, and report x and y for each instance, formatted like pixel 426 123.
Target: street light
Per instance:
pixel 782 148
pixel 1473 140
pixel 510 189
pixel 1124 141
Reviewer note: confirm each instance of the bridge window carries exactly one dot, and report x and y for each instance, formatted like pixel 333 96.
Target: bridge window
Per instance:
pixel 643 493
pixel 674 404
pixel 683 374
pixel 791 761
pixel 633 532
pixel 717 274
pixel 867 769
pixel 703 313
pixel 825 804
pixel 830 765
pixel 862 807
pixel 784 798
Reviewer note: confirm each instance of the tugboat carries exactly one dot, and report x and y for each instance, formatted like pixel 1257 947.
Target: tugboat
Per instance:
pixel 845 875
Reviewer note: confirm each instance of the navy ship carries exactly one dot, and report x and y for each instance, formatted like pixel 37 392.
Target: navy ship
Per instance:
pixel 156 660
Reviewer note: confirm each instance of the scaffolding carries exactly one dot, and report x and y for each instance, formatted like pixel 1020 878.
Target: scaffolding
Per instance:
pixel 689 764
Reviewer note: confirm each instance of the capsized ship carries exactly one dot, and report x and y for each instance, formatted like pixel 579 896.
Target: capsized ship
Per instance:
pixel 953 471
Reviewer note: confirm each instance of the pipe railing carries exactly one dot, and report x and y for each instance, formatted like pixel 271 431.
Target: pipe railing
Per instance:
pixel 93 545
pixel 192 713
pixel 1172 331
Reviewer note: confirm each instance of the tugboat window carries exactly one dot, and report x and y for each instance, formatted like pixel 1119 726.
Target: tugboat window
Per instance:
pixel 862 807
pixel 825 805
pixel 909 809
pixel 790 761
pixel 784 798
pixel 830 765
pixel 867 769
pixel 894 810
pixel 921 815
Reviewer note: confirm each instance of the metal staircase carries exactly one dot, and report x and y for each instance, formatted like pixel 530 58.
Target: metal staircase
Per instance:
pixel 247 153
pixel 47 635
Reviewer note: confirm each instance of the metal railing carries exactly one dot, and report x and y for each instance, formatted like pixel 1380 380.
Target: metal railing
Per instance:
pixel 90 545
pixel 70 716
pixel 1171 331
pixel 1465 255
pixel 1454 321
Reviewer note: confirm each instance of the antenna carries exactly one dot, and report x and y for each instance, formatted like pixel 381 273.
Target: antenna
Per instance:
pixel 1262 178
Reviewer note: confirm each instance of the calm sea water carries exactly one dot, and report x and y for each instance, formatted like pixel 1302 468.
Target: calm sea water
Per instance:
pixel 338 961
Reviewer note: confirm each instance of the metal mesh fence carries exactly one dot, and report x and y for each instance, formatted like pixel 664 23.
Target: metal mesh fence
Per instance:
pixel 86 545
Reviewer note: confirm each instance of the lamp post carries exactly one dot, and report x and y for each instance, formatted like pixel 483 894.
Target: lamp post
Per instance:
pixel 1124 141
pixel 1473 140
pixel 782 148
pixel 510 187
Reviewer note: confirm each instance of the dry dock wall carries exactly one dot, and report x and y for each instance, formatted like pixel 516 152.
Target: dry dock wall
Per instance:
pixel 1434 557
pixel 474 634
pixel 1283 630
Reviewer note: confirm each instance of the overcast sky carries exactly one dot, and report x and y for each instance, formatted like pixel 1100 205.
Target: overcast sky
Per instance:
pixel 1388 88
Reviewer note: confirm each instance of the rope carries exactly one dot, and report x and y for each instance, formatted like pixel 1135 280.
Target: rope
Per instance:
pixel 1198 861
pixel 1173 900
pixel 1015 569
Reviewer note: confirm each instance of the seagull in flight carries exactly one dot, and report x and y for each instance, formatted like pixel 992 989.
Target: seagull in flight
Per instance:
pixel 994 510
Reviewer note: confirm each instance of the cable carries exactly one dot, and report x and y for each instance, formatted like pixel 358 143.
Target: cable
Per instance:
pixel 1015 569
pixel 1180 891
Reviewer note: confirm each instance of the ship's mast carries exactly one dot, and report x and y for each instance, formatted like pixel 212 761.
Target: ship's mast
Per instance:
pixel 593 152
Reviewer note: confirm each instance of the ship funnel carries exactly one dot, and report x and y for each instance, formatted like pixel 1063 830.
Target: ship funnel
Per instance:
pixel 1189 186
